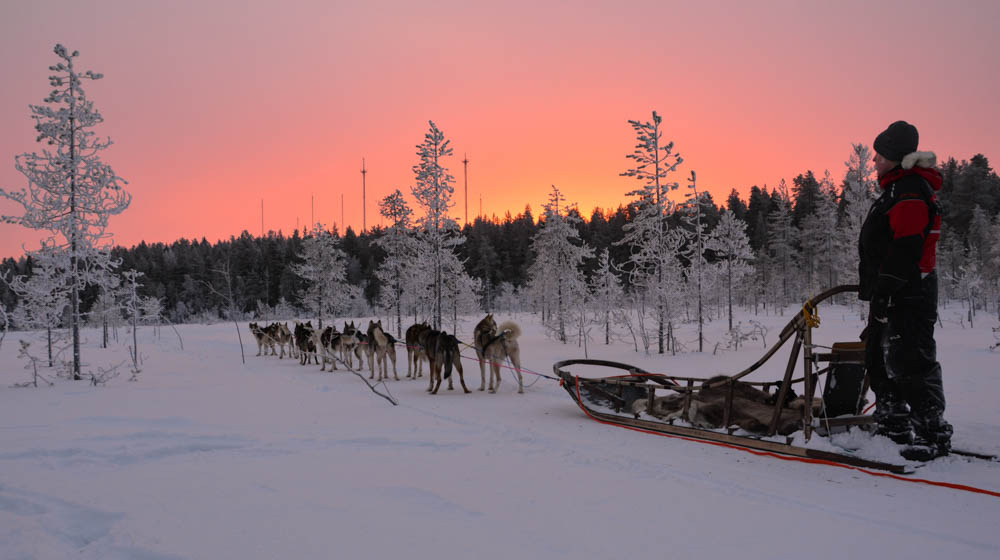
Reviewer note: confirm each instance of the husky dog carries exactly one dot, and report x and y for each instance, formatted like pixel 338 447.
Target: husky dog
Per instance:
pixel 283 337
pixel 381 346
pixel 442 350
pixel 271 338
pixel 305 342
pixel 483 333
pixel 258 334
pixel 503 346
pixel 349 345
pixel 328 342
pixel 415 355
pixel 361 348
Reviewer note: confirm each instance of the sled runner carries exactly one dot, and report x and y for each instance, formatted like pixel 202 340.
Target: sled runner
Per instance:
pixel 731 411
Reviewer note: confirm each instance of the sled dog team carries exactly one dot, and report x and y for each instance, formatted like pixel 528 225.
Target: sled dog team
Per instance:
pixel 441 351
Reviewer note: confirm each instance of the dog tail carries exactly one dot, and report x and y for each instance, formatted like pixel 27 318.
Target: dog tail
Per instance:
pixel 510 329
pixel 450 349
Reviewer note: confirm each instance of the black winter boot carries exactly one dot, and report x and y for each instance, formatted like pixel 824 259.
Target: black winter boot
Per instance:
pixel 933 437
pixel 892 419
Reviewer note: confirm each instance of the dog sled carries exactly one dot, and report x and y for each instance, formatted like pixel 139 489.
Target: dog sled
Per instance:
pixel 777 417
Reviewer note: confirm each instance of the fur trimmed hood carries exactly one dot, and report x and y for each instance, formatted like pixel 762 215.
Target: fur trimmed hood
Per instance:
pixel 923 164
pixel 919 159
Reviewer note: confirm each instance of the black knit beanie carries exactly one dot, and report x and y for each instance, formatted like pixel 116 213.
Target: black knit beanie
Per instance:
pixel 895 142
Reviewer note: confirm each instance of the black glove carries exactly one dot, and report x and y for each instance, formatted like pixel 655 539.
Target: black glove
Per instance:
pixel 879 309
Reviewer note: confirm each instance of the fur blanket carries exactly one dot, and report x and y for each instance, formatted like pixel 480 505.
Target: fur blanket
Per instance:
pixel 752 408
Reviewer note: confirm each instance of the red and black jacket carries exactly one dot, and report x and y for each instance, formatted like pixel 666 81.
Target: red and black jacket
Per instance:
pixel 898 242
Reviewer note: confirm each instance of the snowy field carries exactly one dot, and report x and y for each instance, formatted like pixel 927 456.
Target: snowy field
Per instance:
pixel 204 457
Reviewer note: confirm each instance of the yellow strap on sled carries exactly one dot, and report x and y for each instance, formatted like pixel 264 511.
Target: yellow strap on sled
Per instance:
pixel 810 314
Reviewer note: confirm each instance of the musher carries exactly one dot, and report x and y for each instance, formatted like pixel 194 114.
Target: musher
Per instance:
pixel 897 249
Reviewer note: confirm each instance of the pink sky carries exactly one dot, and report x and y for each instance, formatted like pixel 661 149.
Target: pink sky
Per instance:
pixel 215 106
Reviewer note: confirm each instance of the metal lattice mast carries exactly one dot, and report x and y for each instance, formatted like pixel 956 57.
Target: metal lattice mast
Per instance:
pixel 465 166
pixel 364 205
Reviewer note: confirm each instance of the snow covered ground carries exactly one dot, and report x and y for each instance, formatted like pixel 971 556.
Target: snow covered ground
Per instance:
pixel 204 457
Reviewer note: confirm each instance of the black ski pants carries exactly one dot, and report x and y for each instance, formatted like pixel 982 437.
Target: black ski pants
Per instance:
pixel 901 355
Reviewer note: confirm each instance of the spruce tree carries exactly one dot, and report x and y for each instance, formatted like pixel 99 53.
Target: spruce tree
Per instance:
pixel 433 191
pixel 647 235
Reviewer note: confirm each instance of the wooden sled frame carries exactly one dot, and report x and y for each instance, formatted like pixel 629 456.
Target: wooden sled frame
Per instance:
pixel 636 381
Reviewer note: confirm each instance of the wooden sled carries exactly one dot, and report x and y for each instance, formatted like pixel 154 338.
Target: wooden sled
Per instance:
pixel 634 398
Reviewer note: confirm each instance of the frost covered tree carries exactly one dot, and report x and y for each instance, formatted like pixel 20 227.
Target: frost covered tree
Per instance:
pixel 605 292
pixel 508 298
pixel 556 275
pixel 820 241
pixel 4 323
pixel 782 238
pixel 859 191
pixel 70 192
pixel 647 235
pixel 433 191
pixel 694 251
pixel 107 308
pixel 131 300
pixel 460 291
pixel 397 242
pixel 731 244
pixel 991 270
pixel 44 294
pixel 324 271
pixel 979 239
pixel 969 284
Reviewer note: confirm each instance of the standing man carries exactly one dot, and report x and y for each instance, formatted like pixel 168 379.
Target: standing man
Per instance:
pixel 898 247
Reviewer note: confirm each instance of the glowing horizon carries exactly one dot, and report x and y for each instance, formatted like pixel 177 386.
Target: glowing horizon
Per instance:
pixel 216 107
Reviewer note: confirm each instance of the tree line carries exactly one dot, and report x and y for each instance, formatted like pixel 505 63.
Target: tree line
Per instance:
pixel 497 250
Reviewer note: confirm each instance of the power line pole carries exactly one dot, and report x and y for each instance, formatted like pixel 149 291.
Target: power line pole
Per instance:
pixel 262 218
pixel 343 224
pixel 364 204
pixel 465 165
pixel 312 211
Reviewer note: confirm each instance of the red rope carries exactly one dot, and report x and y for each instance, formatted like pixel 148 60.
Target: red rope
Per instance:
pixel 788 457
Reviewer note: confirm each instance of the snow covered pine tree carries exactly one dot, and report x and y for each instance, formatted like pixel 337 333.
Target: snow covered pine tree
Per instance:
pixel 71 192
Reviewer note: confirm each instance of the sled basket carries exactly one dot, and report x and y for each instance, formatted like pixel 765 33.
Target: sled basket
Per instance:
pixel 710 408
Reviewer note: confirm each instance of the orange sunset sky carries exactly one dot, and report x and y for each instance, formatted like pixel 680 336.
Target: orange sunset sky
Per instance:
pixel 216 105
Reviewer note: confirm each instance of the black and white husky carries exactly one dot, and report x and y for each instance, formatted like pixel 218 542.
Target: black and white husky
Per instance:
pixel 305 342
